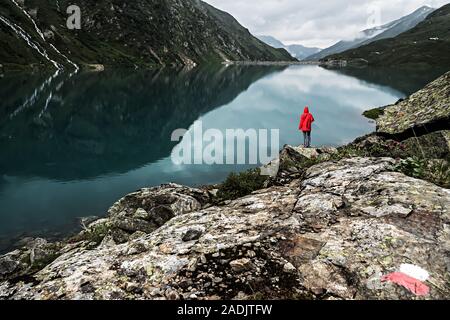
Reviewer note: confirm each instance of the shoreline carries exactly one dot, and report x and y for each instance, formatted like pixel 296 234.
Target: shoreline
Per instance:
pixel 6 69
pixel 271 63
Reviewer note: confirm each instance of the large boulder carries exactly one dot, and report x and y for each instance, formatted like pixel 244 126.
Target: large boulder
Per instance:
pixel 293 161
pixel 434 145
pixel 143 212
pixel 422 111
pixel 333 234
pixel 32 256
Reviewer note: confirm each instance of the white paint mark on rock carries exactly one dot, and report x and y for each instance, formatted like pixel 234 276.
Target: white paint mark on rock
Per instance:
pixel 415 272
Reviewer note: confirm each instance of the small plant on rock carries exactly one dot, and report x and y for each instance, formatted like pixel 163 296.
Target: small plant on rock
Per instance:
pixel 439 173
pixel 238 185
pixel 436 171
pixel 413 167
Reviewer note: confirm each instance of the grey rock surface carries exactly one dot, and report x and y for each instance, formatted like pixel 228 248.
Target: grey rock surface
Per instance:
pixel 426 106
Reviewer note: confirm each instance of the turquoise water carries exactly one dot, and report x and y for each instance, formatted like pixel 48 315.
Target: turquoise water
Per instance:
pixel 71 145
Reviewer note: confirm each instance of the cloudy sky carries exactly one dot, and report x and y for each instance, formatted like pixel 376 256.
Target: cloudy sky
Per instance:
pixel 317 23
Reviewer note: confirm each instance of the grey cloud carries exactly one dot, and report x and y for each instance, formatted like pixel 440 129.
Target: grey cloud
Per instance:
pixel 316 23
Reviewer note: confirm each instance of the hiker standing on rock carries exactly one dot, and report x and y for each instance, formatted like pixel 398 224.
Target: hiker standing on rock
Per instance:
pixel 306 121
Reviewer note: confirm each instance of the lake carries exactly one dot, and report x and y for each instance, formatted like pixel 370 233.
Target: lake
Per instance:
pixel 73 144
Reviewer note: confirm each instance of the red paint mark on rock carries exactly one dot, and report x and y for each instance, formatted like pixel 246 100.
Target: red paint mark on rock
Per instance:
pixel 415 286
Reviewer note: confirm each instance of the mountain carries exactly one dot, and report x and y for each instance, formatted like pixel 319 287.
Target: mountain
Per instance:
pixel 404 24
pixel 301 52
pixel 296 50
pixel 426 44
pixel 367 36
pixel 120 32
pixel 271 41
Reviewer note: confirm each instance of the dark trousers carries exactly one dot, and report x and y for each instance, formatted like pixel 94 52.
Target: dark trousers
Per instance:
pixel 307 139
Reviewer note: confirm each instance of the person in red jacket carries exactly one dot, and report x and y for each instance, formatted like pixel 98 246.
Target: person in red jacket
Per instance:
pixel 306 121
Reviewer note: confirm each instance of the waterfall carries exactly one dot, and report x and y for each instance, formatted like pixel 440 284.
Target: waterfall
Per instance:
pixel 65 57
pixel 42 35
pixel 32 100
pixel 31 19
pixel 25 36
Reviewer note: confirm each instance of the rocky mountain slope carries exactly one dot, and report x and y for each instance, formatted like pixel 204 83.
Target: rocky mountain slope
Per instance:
pixel 329 224
pixel 119 32
pixel 271 41
pixel 367 36
pixel 296 50
pixel 426 44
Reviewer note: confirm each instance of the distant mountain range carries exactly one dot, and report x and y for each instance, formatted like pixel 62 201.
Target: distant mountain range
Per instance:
pixel 368 36
pixel 296 50
pixel 428 43
pixel 120 32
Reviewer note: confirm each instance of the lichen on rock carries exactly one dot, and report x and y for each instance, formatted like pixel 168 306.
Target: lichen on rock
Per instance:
pixel 143 212
pixel 423 108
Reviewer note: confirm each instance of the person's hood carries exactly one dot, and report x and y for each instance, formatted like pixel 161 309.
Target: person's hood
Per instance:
pixel 306 110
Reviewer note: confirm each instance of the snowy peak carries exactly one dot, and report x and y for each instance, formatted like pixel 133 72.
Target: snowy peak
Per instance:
pixel 388 30
pixel 428 43
pixel 401 25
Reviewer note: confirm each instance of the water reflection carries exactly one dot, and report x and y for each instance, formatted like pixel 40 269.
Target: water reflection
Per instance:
pixel 404 80
pixel 106 123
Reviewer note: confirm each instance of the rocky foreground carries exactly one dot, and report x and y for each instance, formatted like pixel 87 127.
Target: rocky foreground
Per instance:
pixel 329 224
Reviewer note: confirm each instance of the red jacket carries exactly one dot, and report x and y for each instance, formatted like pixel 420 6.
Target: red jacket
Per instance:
pixel 306 121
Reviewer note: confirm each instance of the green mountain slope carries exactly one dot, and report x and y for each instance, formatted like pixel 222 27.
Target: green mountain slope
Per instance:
pixel 120 32
pixel 426 44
